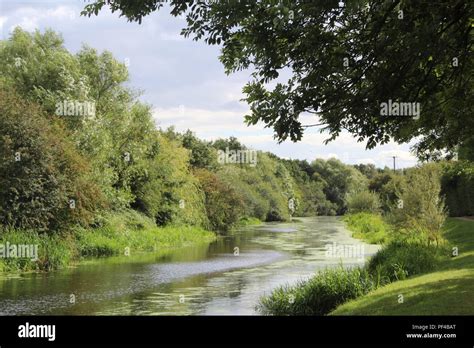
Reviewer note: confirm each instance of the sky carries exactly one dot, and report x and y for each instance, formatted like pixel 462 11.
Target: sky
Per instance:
pixel 183 80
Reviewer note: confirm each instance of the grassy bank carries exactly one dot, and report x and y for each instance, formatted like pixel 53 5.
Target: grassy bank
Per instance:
pixel 370 228
pixel 115 234
pixel 445 291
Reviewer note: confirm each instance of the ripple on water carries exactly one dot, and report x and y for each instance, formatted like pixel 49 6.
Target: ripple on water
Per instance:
pixel 161 273
pixel 278 229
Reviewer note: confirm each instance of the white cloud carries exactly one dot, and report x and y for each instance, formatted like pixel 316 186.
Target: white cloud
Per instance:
pixel 63 12
pixel 199 120
pixel 366 161
pixel 402 154
pixel 252 140
pixel 3 19
pixel 403 158
pixel 171 37
pixel 26 23
pixel 213 124
pixel 29 18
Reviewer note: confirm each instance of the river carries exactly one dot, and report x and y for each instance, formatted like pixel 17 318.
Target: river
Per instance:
pixel 225 277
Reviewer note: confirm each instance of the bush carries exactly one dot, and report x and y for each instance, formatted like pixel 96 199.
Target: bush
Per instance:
pixel 169 193
pixel 249 221
pixel 338 179
pixel 319 295
pixel 113 233
pixel 368 227
pixel 363 201
pixel 40 171
pixel 264 189
pixel 400 259
pixel 389 187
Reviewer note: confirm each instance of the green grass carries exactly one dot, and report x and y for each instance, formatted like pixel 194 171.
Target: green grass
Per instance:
pixel 446 291
pixel 53 251
pixel 368 227
pixel 318 295
pixel 115 234
pixel 106 241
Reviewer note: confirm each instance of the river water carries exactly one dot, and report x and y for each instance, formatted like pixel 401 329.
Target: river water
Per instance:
pixel 225 277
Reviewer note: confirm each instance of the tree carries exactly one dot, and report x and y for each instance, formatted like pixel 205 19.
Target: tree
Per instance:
pixel 466 150
pixel 389 186
pixel 457 185
pixel 363 201
pixel 202 154
pixel 116 139
pixel 232 143
pixel 368 170
pixel 223 205
pixel 344 62
pixel 167 191
pixel 422 212
pixel 44 183
pixel 338 180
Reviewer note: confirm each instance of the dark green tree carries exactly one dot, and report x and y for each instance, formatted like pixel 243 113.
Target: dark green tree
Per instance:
pixel 202 155
pixel 344 61
pixel 44 183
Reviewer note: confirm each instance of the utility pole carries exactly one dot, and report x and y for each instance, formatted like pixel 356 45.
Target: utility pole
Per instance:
pixel 394 168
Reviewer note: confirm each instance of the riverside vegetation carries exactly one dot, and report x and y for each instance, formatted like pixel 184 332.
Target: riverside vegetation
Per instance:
pixel 422 254
pixel 99 179
pixel 407 213
pixel 84 171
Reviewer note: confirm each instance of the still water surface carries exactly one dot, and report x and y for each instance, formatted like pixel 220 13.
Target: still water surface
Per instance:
pixel 207 279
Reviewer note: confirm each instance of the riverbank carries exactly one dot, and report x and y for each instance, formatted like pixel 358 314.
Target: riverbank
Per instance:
pixel 124 233
pixel 445 291
pixel 404 277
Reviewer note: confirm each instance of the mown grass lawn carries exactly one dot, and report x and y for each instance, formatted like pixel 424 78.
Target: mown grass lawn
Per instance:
pixel 447 291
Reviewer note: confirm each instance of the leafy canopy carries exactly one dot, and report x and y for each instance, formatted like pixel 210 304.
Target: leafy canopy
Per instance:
pixel 343 62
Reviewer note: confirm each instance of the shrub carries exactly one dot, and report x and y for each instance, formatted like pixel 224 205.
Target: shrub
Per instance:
pixel 319 295
pixel 249 221
pixel 401 259
pixel 329 288
pixel 137 232
pixel 169 193
pixel 338 179
pixel 363 201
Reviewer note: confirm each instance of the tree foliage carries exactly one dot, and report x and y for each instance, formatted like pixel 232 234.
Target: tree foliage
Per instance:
pixel 422 211
pixel 343 62
pixel 44 182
